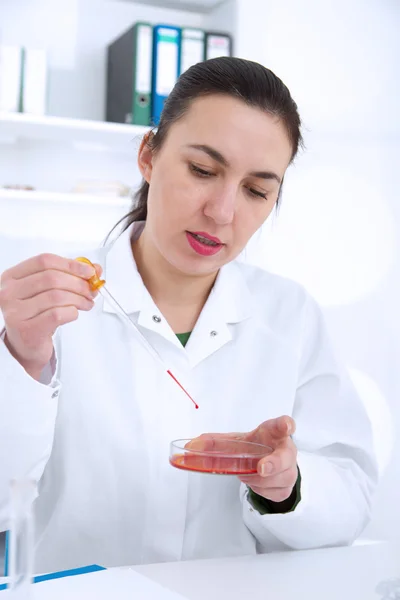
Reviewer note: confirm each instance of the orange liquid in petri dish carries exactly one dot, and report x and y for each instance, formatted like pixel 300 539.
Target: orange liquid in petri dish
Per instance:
pixel 219 465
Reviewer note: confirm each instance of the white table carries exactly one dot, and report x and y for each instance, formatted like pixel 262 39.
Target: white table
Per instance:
pixel 350 573
pixel 330 574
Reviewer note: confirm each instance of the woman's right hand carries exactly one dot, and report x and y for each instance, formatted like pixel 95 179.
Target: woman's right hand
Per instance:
pixel 36 297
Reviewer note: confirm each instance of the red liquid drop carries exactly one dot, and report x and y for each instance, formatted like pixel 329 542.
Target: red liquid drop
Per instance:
pixel 221 465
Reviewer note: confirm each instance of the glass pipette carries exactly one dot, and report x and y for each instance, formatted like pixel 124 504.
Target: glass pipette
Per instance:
pixel 98 284
pixel 21 542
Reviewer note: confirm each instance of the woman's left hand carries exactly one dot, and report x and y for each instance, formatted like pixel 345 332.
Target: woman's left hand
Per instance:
pixel 277 472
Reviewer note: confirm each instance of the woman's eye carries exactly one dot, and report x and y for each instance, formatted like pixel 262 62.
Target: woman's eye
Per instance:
pixel 254 192
pixel 200 172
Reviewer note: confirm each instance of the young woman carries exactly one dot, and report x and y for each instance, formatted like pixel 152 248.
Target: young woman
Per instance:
pixel 87 411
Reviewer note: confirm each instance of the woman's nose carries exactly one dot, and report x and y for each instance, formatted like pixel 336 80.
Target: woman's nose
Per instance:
pixel 221 206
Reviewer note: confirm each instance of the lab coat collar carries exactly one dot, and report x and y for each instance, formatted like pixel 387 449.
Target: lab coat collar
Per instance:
pixel 229 302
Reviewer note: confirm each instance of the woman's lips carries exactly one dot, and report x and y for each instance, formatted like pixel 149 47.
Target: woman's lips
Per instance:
pixel 203 243
pixel 207 236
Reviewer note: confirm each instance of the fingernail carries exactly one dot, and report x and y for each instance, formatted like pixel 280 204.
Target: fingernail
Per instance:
pixel 86 270
pixel 266 468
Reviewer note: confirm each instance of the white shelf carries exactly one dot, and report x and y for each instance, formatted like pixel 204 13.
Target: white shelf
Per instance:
pixel 18 126
pixel 201 6
pixel 64 198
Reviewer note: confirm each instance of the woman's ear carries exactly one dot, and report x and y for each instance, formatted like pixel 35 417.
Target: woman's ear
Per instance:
pixel 145 157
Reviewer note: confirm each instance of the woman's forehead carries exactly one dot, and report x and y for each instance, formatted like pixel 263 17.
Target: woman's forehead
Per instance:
pixel 235 129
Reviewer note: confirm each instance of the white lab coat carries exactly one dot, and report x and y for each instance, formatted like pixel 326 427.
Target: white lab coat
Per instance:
pixel 97 435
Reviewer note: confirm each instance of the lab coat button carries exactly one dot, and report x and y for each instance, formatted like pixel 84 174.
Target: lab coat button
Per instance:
pixel 55 394
pixel 213 333
pixel 156 319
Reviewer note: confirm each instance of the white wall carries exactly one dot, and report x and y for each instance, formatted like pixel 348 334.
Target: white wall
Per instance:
pixel 339 227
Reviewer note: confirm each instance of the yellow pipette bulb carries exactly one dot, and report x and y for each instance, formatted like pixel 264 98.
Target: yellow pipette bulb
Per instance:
pixel 95 282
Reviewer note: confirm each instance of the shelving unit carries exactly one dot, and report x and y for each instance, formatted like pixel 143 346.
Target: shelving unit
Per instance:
pixel 42 221
pixel 203 6
pixel 35 196
pixel 73 144
pixel 16 126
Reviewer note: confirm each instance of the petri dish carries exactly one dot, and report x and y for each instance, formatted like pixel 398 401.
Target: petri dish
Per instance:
pixel 218 456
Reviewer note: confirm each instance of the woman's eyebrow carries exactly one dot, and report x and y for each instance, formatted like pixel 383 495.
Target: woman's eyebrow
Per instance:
pixel 217 156
pixel 266 175
pixel 212 152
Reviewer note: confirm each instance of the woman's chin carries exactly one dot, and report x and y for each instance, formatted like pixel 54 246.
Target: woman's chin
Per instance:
pixel 196 266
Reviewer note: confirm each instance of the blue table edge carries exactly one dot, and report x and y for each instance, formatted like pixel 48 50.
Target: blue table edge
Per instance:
pixel 60 574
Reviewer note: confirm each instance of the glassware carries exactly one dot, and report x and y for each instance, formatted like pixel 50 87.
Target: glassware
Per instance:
pixel 21 538
pixel 98 285
pixel 222 456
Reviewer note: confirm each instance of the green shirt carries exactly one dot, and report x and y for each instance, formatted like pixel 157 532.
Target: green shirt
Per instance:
pixel 183 338
pixel 259 503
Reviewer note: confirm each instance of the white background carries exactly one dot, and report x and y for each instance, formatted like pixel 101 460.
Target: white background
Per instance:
pixel 339 226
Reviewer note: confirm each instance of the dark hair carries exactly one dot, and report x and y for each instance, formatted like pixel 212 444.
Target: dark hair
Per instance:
pixel 249 81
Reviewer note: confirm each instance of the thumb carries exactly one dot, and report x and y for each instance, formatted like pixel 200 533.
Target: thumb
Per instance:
pixel 283 426
pixel 99 269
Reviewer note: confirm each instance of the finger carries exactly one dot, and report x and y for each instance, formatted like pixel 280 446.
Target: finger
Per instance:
pixel 46 324
pixel 36 284
pixel 287 478
pixel 45 262
pixel 273 430
pixel 201 443
pixel 51 299
pixel 217 442
pixel 274 494
pixel 281 459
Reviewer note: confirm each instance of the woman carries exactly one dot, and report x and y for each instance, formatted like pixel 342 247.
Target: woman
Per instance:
pixel 89 413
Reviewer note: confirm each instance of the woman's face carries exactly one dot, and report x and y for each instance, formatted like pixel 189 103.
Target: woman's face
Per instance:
pixel 213 183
